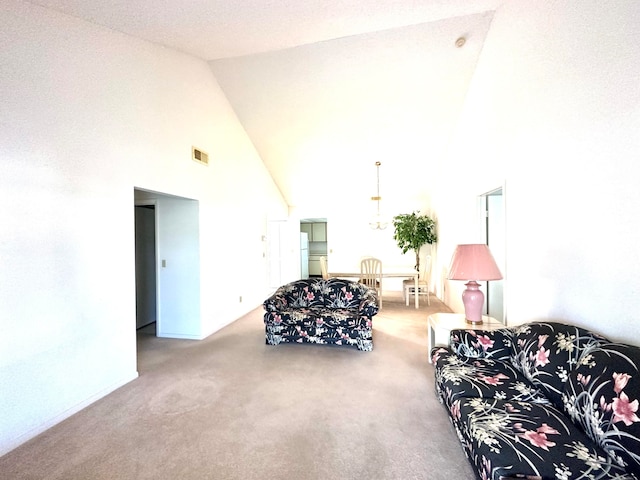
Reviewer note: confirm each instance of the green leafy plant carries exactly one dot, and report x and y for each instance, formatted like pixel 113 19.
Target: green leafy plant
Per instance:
pixel 412 231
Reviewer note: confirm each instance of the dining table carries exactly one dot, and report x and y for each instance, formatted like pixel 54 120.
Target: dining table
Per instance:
pixel 390 274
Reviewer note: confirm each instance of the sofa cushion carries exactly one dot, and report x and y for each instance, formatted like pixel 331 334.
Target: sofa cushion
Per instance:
pixel 494 344
pixel 508 439
pixel 483 377
pixel 545 352
pixel 334 293
pixel 602 395
pixel 319 317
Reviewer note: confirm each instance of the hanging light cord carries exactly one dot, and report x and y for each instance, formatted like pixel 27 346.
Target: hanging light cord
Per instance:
pixel 378 224
pixel 377 198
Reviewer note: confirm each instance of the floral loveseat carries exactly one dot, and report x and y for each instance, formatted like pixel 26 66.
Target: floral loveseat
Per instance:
pixel 542 401
pixel 314 310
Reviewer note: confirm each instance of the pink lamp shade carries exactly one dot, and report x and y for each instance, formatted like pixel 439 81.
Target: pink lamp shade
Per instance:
pixel 473 262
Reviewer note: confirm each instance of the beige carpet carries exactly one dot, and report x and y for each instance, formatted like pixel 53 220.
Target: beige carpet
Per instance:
pixel 231 407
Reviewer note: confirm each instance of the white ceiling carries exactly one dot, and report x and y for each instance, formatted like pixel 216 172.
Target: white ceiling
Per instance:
pixel 325 88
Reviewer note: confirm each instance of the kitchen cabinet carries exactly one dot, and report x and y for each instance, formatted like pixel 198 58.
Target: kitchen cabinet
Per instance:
pixel 314 267
pixel 308 229
pixel 317 231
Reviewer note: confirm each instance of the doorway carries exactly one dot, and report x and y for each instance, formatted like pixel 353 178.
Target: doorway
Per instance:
pixel 168 265
pixel 494 225
pixel 145 253
pixel 313 246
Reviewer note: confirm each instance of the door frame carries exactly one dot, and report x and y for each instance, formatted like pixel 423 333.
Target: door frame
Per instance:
pixel 177 247
pixel 145 203
pixel 497 287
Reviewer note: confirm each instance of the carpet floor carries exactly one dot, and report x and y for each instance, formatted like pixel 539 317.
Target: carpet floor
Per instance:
pixel 231 407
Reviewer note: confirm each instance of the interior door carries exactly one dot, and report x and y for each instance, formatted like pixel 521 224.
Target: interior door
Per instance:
pixel 495 238
pixel 145 231
pixel 177 264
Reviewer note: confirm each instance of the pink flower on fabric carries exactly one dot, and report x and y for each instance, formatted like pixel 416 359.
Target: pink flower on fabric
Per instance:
pixel 277 319
pixel 542 339
pixel 624 411
pixel 486 469
pixel 320 321
pixel 584 380
pixel 538 440
pixel 539 437
pixel 542 357
pixel 604 406
pixel 455 409
pixel 544 428
pixel 494 380
pixel 436 354
pixel 310 296
pixel 348 295
pixel 485 342
pixel 621 380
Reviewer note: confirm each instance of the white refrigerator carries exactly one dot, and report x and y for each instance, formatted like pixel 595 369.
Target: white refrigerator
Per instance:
pixel 304 255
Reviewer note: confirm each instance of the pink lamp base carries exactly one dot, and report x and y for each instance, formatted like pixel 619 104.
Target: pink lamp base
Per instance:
pixel 473 300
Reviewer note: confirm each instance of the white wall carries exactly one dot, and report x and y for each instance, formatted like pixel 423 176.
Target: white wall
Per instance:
pixel 87 115
pixel 554 112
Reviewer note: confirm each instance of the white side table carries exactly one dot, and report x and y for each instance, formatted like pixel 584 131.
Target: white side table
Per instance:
pixel 441 324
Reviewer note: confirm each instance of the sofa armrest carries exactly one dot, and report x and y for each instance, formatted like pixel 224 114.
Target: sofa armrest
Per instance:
pixel 276 302
pixel 368 303
pixel 495 344
pixel 438 352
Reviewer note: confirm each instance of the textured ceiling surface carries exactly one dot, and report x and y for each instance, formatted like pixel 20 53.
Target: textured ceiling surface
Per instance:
pixel 321 115
pixel 212 29
pixel 325 88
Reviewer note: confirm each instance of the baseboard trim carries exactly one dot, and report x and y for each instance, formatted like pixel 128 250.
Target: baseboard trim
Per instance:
pixel 14 443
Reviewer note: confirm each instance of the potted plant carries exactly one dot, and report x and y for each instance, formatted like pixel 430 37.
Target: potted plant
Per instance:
pixel 412 231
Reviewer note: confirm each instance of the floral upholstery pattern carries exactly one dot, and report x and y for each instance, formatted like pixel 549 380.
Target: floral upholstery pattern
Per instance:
pixel 314 310
pixel 602 395
pixel 542 401
pixel 546 352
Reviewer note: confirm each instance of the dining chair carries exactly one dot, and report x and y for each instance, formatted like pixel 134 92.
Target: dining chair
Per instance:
pixel 323 268
pixel 409 286
pixel 371 275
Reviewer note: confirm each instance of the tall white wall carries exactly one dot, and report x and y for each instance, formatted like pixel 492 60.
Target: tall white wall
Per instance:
pixel 554 113
pixel 87 115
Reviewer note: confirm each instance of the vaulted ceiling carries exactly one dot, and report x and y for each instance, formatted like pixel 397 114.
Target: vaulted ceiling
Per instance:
pixel 326 88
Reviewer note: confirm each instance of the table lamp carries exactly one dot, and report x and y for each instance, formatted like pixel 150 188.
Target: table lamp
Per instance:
pixel 473 262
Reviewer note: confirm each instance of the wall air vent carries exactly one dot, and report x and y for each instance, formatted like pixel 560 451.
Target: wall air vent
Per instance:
pixel 199 156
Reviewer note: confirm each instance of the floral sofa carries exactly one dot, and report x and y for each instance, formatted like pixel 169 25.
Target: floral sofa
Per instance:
pixel 542 401
pixel 314 310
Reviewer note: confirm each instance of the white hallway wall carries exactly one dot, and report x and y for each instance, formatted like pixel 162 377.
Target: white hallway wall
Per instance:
pixel 87 115
pixel 554 112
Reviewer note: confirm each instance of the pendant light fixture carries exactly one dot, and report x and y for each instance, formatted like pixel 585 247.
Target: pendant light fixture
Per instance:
pixel 377 222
